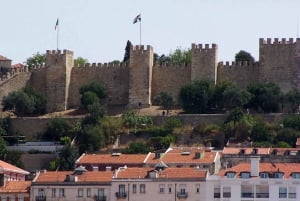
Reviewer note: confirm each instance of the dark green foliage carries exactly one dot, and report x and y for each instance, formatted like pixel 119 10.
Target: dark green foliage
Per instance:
pixel 36 60
pixel 88 98
pixel 56 129
pixel 95 87
pixel 79 61
pixel 67 158
pixel 172 123
pixel 164 99
pixel 137 148
pixel 158 143
pixel 265 97
pixel 131 119
pixel 261 132
pixel 3 149
pixel 180 56
pixel 244 56
pixel 127 51
pixel 292 101
pixel 96 113
pixel 111 127
pixel 217 98
pixel 195 96
pixel 235 97
pixel 283 144
pixel 91 138
pixel 25 102
pixel 287 135
pixel 235 115
pixel 14 157
pixel 4 126
pixel 292 122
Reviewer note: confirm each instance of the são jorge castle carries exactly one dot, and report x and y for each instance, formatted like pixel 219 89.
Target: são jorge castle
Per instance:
pixel 136 82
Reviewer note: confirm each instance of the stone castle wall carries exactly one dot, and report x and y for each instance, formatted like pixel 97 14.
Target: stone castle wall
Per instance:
pixel 241 73
pixel 170 78
pixel 113 76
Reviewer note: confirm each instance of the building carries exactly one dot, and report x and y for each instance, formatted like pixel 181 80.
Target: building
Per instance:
pixel 80 185
pixel 161 183
pixel 255 181
pixel 10 172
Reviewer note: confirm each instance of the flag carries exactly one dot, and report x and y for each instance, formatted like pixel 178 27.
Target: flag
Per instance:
pixel 138 18
pixel 56 24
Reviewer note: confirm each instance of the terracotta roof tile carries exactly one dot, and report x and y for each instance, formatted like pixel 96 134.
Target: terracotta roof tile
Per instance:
pixel 110 159
pixel 247 150
pixel 18 65
pixel 286 168
pixel 170 173
pixel 60 176
pixel 16 187
pixel 2 58
pixel 11 168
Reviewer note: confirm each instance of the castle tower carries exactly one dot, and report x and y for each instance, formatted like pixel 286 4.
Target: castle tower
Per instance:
pixel 204 62
pixel 59 65
pixel 280 62
pixel 140 76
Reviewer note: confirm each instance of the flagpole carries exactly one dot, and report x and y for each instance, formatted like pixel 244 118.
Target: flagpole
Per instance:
pixel 57 37
pixel 140 32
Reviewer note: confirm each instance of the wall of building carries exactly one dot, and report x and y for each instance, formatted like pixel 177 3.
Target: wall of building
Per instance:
pixel 113 76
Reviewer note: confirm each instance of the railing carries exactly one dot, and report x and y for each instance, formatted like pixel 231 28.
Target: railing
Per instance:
pixel 247 195
pixel 40 198
pixel 282 195
pixel 226 194
pixel 182 195
pixel 121 195
pixel 100 198
pixel 262 195
pixel 217 195
pixel 292 195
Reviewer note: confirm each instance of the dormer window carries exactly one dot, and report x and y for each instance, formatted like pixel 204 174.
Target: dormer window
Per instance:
pixel 242 151
pixel 278 175
pixel 230 174
pixel 245 175
pixel 274 152
pixel 264 175
pixel 255 151
pixel 295 175
pixel 287 152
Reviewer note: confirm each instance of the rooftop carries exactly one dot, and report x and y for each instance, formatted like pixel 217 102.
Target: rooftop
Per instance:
pixel 16 187
pixel 11 168
pixel 115 158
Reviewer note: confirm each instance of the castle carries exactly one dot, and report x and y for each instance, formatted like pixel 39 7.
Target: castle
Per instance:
pixel 135 83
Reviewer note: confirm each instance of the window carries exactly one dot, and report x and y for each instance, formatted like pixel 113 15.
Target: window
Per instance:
pixel 170 188
pixel 133 188
pixel 21 199
pixel 161 188
pixel 245 175
pixel 278 175
pixel 80 192
pixel 282 192
pixel 226 192
pixel 53 192
pixel 264 175
pixel 296 175
pixel 101 192
pixel 142 188
pixel 122 188
pixel 230 174
pixel 197 188
pixel 3 198
pixel 13 198
pixel 182 191
pixel 41 192
pixel 88 192
pixel 292 192
pixel 217 192
pixel 61 192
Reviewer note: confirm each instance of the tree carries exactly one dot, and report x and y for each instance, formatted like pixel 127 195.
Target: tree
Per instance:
pixel 3 149
pixel 137 148
pixel 96 113
pixel 292 100
pixel 80 61
pixel 95 87
pixel 67 157
pixel 91 139
pixel 217 97
pixel 244 56
pixel 287 135
pixel 165 99
pixel 292 122
pixel 265 97
pixel 111 127
pixel 195 96
pixel 127 51
pixel 89 98
pixel 56 129
pixel 261 131
pixel 36 60
pixel 180 56
pixel 234 97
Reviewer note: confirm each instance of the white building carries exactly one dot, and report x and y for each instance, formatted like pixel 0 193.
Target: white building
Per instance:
pixel 160 184
pixel 256 181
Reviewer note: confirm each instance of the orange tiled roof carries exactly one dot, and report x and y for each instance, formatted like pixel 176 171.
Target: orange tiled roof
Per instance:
pixel 18 65
pixel 89 176
pixel 247 150
pixel 110 159
pixel 16 187
pixel 170 173
pixel 2 58
pixel 286 168
pixel 11 168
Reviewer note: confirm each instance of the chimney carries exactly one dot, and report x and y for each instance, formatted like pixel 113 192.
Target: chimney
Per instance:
pixel 254 166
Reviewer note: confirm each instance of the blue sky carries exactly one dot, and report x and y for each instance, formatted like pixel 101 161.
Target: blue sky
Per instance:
pixel 99 29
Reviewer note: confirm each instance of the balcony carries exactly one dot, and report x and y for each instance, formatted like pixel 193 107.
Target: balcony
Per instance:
pixel 292 195
pixel 99 198
pixel 217 195
pixel 121 195
pixel 262 195
pixel 40 198
pixel 247 195
pixel 182 195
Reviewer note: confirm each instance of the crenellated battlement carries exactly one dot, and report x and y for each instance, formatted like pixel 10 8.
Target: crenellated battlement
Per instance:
pixel 203 48
pixel 141 49
pixel 234 64
pixel 103 65
pixel 276 41
pixel 171 65
pixel 58 52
